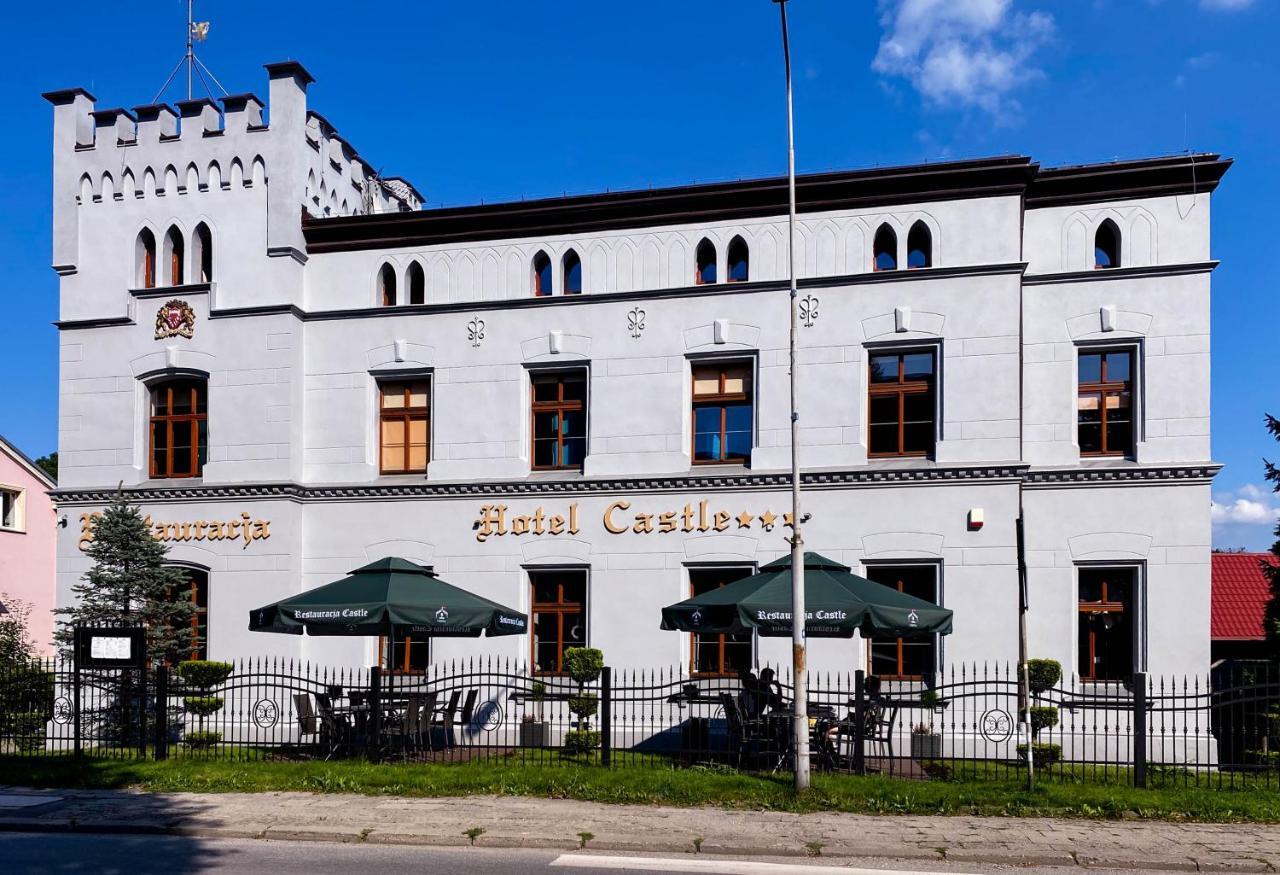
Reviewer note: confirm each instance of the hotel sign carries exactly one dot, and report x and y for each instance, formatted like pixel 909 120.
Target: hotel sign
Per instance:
pixel 497 520
pixel 245 530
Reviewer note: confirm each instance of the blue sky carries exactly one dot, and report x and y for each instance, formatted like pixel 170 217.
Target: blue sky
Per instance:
pixel 504 99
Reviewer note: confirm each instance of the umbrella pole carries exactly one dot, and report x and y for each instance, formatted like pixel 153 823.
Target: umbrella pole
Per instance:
pixel 800 716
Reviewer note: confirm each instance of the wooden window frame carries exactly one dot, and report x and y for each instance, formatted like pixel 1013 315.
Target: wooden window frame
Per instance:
pixel 721 637
pixel 385 654
pixel 902 388
pixel 407 415
pixel 169 419
pixel 149 262
pixel 1102 388
pixel 900 642
pixel 721 400
pixel 561 609
pixel 1106 606
pixel 200 646
pixel 559 406
pixel 177 258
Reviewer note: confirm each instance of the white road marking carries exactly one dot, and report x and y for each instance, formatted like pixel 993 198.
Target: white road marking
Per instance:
pixel 721 867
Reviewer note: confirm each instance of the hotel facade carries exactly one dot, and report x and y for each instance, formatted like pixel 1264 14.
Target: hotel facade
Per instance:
pixel 579 406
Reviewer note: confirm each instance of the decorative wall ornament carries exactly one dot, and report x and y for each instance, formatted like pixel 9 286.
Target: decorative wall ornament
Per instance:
pixel 809 310
pixel 635 322
pixel 475 331
pixel 175 319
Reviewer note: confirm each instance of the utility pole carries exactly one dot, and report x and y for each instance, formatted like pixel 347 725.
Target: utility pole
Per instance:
pixel 1024 671
pixel 799 668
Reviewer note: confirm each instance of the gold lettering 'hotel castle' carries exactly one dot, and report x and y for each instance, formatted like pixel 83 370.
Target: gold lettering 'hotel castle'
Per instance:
pixel 579 406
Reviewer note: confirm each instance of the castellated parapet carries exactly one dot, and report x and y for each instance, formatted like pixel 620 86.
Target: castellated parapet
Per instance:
pixel 245 169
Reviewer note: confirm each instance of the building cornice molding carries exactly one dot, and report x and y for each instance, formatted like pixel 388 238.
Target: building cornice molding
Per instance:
pixel 1129 475
pixel 836 479
pixel 1120 273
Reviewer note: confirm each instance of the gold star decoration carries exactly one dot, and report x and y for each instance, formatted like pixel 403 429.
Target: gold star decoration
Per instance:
pixel 789 519
pixel 767 519
pixel 744 520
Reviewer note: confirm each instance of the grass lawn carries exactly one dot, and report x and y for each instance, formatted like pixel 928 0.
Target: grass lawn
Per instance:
pixel 1061 796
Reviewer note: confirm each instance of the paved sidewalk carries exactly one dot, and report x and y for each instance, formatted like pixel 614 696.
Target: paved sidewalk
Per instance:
pixel 553 823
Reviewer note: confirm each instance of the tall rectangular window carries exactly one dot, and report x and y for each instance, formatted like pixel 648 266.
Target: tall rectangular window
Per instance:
pixel 1104 403
pixel 1105 624
pixel 559 419
pixel 404 426
pixel 559 609
pixel 718 654
pixel 409 656
pixel 196 590
pixel 901 406
pixel 722 412
pixel 179 428
pixel 905 659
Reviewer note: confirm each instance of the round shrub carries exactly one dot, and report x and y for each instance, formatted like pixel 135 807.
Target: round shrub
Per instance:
pixel 1042 717
pixel 584 706
pixel 580 741
pixel 1045 754
pixel 202 706
pixel 204 674
pixel 583 664
pixel 1043 675
pixel 202 739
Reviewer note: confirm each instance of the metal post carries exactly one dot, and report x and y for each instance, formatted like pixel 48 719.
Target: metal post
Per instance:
pixel 1140 729
pixel 142 713
pixel 799 668
pixel 374 733
pixel 75 704
pixel 859 722
pixel 606 718
pixel 1024 671
pixel 161 743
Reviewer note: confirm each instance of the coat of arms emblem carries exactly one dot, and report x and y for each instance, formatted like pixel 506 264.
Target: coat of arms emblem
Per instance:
pixel 175 319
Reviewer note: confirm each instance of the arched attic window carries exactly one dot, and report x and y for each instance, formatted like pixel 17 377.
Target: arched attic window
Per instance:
pixel 416 280
pixel 202 241
pixel 541 275
pixel 739 261
pixel 919 246
pixel 884 251
pixel 145 260
pixel 706 268
pixel 387 285
pixel 571 273
pixel 1106 245
pixel 174 256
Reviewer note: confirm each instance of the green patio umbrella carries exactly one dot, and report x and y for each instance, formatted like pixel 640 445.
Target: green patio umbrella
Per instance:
pixel 837 602
pixel 393 597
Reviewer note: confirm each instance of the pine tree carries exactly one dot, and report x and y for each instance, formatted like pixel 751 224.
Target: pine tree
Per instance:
pixel 1272 569
pixel 130 584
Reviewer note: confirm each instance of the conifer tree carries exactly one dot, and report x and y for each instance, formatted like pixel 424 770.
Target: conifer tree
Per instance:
pixel 130 584
pixel 1272 569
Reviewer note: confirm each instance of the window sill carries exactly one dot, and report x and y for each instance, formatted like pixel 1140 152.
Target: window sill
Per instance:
pixel 12 530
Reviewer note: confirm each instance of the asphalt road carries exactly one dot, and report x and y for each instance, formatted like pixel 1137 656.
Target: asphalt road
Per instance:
pixel 24 853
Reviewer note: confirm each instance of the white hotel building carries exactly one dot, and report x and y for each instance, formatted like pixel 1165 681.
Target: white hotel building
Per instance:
pixel 579 406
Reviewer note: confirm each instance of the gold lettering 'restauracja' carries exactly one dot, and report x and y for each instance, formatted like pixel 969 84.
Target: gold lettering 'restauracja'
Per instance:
pixel 617 519
pixel 246 530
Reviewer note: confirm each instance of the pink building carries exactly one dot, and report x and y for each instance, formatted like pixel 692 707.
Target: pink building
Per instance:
pixel 28 540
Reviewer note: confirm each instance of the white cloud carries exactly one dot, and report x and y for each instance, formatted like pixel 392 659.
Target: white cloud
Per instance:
pixel 1248 505
pixel 966 53
pixel 1225 5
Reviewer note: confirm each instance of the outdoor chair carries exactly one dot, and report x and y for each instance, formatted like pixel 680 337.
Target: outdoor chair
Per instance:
pixel 336 732
pixel 878 726
pixel 308 722
pixel 750 740
pixel 406 732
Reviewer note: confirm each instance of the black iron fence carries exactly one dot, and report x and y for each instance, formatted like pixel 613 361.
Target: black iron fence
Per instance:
pixel 1222 728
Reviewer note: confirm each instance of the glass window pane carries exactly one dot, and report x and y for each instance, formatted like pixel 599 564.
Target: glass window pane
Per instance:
pixel 884 438
pixel 575 387
pixel 202 398
pixel 181 400
pixel 707 437
pixel 1119 436
pixel 546 589
pixel 544 452
pixel 886 261
pixel 392 431
pixel 737 653
pixel 202 451
pixel 392 396
pixel 884 369
pixel 884 658
pixel 575 423
pixel 546 387
pixel 573 451
pixel 1089 368
pixel 918 365
pixel 546 426
pixel 546 647
pixel 884 409
pixel 917 437
pixel 1117 366
pixel 737 379
pixel 575 629
pixel 918 407
pixel 1090 437
pixel 706 381
pixel 418 431
pixel 575 588
pixel 917 658
pixel 707 273
pixel 418 395
pixel 738 271
pixel 573 278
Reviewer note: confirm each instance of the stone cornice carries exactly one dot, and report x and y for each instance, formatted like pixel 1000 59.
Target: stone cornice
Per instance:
pixel 1119 273
pixel 1129 475
pixel 861 477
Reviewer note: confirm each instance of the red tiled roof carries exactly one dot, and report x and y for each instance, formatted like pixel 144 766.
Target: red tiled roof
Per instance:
pixel 1240 593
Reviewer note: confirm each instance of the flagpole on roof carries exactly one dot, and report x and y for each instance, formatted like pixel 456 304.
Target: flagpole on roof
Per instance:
pixel 800 712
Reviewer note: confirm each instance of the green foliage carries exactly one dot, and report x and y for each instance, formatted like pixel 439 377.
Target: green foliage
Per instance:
pixel 202 706
pixel 929 699
pixel 1045 754
pixel 1043 675
pixel 474 833
pixel 202 739
pixel 25 728
pixel 204 674
pixel 538 691
pixel 580 741
pixel 130 584
pixel 583 664
pixel 27 689
pixel 16 646
pixel 1271 614
pixel 584 706
pixel 49 465
pixel 1042 717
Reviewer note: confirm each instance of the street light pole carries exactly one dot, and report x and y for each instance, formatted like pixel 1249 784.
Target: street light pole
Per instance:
pixel 800 715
